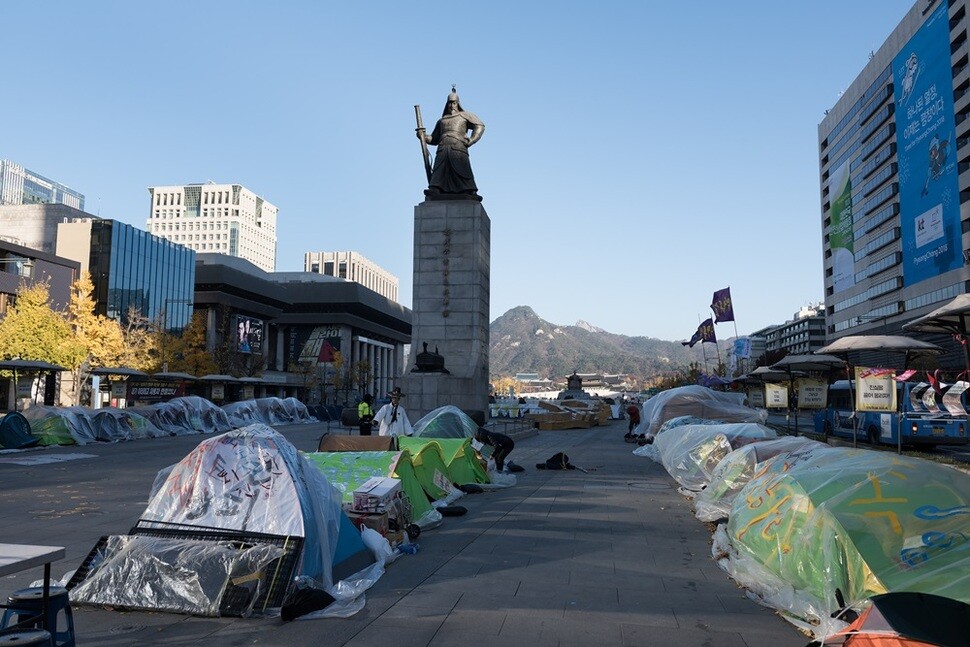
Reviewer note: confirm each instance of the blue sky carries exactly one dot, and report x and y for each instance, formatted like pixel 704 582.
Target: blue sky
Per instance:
pixel 637 156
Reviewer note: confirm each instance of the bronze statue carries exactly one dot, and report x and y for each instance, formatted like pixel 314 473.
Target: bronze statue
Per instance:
pixel 451 175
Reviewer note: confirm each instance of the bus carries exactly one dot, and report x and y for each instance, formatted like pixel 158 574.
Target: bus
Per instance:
pixel 918 417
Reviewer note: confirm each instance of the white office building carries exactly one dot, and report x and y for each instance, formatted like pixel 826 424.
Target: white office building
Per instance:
pixel 894 166
pixel 217 219
pixel 353 266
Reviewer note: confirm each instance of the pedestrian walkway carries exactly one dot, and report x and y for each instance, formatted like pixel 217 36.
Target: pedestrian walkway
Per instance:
pixel 609 556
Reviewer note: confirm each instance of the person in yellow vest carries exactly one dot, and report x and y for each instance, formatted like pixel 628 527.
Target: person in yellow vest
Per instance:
pixel 365 414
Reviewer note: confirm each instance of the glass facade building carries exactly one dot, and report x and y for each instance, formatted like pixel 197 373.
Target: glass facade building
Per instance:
pixel 21 186
pixel 132 269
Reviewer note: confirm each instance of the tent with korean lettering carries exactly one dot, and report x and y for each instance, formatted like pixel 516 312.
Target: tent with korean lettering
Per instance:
pixel 230 530
pixel 841 525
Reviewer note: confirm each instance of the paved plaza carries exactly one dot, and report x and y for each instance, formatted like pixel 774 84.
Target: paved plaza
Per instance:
pixel 610 556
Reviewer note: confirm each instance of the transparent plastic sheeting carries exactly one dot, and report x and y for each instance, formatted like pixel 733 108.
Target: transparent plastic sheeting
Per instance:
pixel 180 416
pixel 252 479
pixel 691 453
pixel 737 468
pixel 176 575
pixel 445 422
pixel 695 400
pixel 863 522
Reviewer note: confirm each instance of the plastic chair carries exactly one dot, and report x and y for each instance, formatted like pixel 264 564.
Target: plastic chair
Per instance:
pixel 29 602
pixel 29 638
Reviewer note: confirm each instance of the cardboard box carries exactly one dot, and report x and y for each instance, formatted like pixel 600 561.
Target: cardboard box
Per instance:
pixel 375 520
pixel 376 494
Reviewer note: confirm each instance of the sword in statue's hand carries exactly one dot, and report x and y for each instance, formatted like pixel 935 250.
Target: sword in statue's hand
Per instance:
pixel 424 144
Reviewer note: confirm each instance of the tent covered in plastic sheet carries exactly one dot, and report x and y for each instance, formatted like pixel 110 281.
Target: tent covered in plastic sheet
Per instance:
pixel 113 424
pixel 60 425
pixel 232 529
pixel 691 453
pixel 853 521
pixel 270 411
pixel 186 415
pixel 740 466
pixel 445 422
pixel 695 400
pixel 347 471
pixel 461 459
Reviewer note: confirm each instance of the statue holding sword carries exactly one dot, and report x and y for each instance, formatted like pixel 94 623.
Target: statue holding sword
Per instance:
pixel 450 177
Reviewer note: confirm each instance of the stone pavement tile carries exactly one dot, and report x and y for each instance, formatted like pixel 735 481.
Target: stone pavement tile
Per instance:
pixel 618 615
pixel 635 635
pixel 709 618
pixel 567 593
pixel 401 610
pixel 441 598
pixel 486 622
pixel 397 632
pixel 578 631
pixel 632 580
pixel 461 566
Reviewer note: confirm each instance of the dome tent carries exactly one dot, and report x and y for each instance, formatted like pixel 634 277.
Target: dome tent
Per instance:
pixel 250 481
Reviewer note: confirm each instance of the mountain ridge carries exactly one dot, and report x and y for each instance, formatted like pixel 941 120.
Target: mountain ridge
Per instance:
pixel 522 342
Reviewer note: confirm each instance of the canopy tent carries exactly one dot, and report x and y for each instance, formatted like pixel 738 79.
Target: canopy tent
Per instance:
pixel 460 457
pixel 798 365
pixel 846 347
pixel 910 348
pixel 348 470
pixel 857 521
pixel 19 366
pixel 692 453
pixel 250 481
pixel 952 318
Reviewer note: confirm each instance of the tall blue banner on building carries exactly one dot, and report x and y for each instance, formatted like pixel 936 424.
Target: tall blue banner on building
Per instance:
pixel 929 195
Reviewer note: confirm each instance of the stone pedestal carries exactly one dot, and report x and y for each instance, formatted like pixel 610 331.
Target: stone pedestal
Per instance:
pixel 450 307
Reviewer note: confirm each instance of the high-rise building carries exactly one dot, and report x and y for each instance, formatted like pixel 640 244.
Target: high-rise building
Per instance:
pixel 895 177
pixel 21 186
pixel 352 266
pixel 216 218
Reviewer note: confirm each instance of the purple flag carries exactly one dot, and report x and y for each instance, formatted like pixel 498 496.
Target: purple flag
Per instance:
pixel 706 330
pixel 693 340
pixel 722 306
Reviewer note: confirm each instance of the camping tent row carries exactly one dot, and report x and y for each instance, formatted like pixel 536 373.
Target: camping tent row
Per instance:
pixel 811 528
pixel 429 465
pixel 245 524
pixel 179 416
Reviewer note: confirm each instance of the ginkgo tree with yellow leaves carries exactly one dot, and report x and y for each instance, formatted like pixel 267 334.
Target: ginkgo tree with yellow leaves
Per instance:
pixel 101 338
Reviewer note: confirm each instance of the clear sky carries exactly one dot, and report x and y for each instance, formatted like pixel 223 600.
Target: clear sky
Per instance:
pixel 638 155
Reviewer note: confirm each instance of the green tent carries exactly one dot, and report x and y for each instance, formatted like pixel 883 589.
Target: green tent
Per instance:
pixel 858 521
pixel 431 470
pixel 460 457
pixel 349 470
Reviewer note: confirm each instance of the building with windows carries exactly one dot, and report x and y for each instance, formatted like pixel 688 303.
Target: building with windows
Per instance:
pixel 352 266
pixel 216 219
pixel 894 164
pixel 131 270
pixel 803 334
pixel 23 265
pixel 320 338
pixel 21 186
